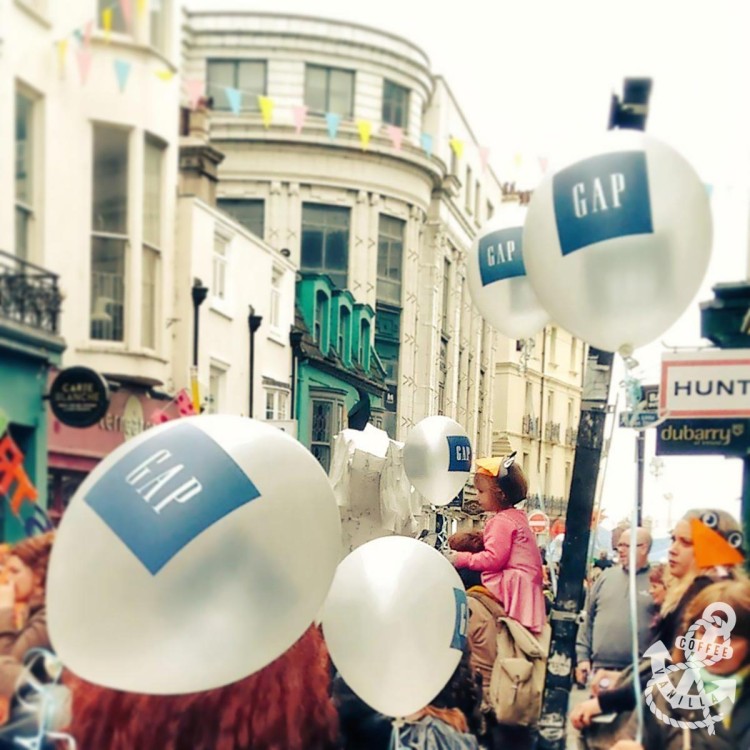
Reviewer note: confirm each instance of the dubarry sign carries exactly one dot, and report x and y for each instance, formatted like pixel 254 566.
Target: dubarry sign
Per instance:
pixel 726 437
pixel 708 383
pixel 79 397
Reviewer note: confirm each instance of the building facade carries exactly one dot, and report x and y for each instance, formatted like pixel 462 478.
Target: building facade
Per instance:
pixel 342 148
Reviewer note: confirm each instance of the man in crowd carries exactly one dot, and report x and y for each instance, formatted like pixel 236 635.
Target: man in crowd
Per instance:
pixel 604 637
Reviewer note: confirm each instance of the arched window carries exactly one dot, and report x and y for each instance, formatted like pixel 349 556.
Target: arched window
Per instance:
pixel 364 345
pixel 320 333
pixel 344 343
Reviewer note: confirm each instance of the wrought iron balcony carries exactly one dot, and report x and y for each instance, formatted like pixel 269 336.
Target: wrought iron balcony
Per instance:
pixel 552 432
pixel 530 426
pixel 29 294
pixel 571 436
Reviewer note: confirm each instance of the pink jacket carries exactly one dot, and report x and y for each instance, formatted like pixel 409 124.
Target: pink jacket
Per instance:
pixel 511 567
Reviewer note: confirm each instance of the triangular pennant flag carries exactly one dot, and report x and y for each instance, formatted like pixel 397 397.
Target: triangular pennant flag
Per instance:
pixel 484 157
pixel 266 110
pixel 164 74
pixel 543 164
pixel 107 22
pixel 458 147
pixel 62 51
pixel 142 7
pixel 88 27
pixel 709 189
pixel 196 88
pixel 396 135
pixel 84 64
pixel 127 12
pixel 158 418
pixel 300 115
pixel 426 141
pixel 122 70
pixel 234 98
pixel 365 130
pixel 185 404
pixel 78 34
pixel 333 120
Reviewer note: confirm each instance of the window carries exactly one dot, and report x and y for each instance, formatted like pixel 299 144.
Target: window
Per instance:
pixel 118 17
pixel 276 403
pixel 216 380
pixel 490 210
pixel 320 332
pixel 390 258
pixel 343 345
pixel 158 16
pixel 477 202
pixel 329 90
pixel 277 274
pixel 566 489
pixel 247 76
pixel 364 345
pixel 525 464
pixel 446 293
pixel 327 419
pixel 547 476
pixel 110 233
pixel 24 173
pixel 152 239
pixel 468 186
pixel 573 354
pixel 249 213
pixel 325 241
pixel 220 259
pixel 395 104
pixel 553 345
pixel 454 162
pixel 442 375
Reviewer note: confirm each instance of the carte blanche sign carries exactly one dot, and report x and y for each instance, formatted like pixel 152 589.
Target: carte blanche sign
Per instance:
pixel 708 383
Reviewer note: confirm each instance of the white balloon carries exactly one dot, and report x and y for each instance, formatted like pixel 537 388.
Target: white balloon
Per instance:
pixel 192 556
pixel 497 277
pixel 395 623
pixel 437 458
pixel 616 244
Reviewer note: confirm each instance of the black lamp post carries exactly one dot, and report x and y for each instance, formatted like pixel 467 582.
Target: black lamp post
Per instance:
pixel 199 293
pixel 295 340
pixel 253 323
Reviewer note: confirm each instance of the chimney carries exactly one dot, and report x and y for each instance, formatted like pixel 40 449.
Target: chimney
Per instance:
pixel 199 161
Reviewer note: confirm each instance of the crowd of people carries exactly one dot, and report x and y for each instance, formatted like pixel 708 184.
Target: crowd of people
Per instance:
pixel 300 702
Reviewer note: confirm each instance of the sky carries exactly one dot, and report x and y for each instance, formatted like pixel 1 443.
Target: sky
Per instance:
pixel 534 78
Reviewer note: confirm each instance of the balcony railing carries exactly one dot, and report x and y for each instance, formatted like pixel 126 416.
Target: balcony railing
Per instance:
pixel 552 432
pixel 530 426
pixel 29 294
pixel 571 436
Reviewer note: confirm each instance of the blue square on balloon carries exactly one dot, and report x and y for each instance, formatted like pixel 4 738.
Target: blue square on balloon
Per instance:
pixel 601 198
pixel 461 625
pixel 501 255
pixel 169 489
pixel 459 449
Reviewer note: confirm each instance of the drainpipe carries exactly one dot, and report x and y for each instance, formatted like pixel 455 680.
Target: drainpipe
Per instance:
pixel 253 322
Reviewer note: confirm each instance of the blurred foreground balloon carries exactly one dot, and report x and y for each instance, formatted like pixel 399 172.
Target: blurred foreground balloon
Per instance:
pixel 616 244
pixel 395 623
pixel 497 277
pixel 192 556
pixel 437 458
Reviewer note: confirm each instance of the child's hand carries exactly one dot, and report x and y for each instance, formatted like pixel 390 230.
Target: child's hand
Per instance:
pixel 451 556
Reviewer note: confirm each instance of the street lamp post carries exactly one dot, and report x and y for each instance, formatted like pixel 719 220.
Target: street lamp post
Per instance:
pixel 198 293
pixel 253 323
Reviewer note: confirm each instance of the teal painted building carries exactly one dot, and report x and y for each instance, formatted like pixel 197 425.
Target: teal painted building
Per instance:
pixel 29 346
pixel 337 367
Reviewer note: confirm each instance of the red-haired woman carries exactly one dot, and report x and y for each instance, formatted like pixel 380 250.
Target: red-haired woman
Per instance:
pixel 285 706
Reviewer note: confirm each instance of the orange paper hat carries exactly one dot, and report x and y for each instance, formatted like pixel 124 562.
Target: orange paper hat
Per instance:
pixel 711 548
pixel 495 466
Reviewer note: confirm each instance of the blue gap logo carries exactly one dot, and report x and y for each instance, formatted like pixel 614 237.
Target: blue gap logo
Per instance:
pixel 459 451
pixel 601 198
pixel 501 255
pixel 462 620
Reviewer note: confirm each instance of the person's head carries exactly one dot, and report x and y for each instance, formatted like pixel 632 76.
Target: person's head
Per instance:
pixel 603 555
pixel 499 492
pixel 682 557
pixel 642 541
pixel 657 586
pixel 736 594
pixel 26 566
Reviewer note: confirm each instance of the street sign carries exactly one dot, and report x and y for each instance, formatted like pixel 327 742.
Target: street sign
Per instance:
pixel 638 419
pixel 725 437
pixel 706 383
pixel 650 401
pixel 539 522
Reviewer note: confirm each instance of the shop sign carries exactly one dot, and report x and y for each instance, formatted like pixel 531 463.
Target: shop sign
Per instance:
pixel 79 397
pixel 726 437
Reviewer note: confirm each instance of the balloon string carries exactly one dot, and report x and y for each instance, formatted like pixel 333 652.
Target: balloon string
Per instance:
pixel 633 601
pixel 395 743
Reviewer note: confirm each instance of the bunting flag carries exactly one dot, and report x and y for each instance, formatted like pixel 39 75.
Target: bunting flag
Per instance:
pixel 300 115
pixel 543 164
pixel 185 404
pixel 87 30
pixel 484 157
pixel 234 98
pixel 266 110
pixel 426 141
pixel 127 13
pixel 458 147
pixel 333 120
pixel 107 23
pixel 365 130
pixel 196 90
pixel 122 71
pixel 396 135
pixel 83 57
pixel 78 34
pixel 159 417
pixel 62 51
pixel 12 472
pixel 164 74
pixel 142 7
